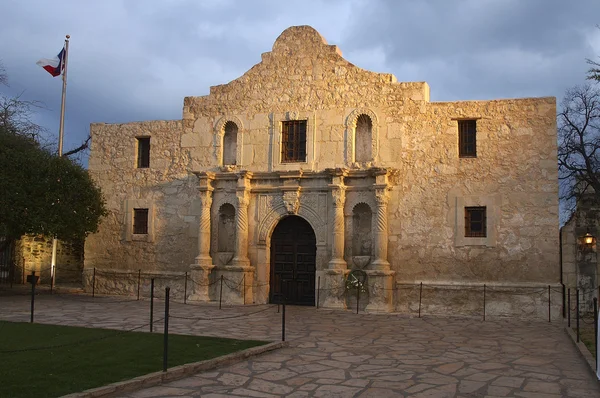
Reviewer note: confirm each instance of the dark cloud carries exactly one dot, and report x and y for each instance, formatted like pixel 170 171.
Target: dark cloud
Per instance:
pixel 481 48
pixel 137 59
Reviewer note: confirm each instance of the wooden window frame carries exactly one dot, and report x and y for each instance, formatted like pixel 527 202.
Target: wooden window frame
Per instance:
pixel 143 152
pixel 293 141
pixel 470 232
pixel 467 138
pixel 140 221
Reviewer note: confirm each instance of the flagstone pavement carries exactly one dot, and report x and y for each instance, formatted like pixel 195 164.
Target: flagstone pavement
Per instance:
pixel 343 354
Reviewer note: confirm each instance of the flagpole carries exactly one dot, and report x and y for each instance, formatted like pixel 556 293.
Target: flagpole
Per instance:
pixel 60 146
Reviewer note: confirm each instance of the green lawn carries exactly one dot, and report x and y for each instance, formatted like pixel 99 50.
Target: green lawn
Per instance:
pixel 83 358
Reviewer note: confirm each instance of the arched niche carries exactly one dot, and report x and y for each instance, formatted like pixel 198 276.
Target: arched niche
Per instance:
pixel 363 141
pixel 362 241
pixel 362 137
pixel 229 140
pixel 230 144
pixel 226 228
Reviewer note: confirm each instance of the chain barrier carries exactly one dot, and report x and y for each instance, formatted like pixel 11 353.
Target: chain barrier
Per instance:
pixel 223 317
pixel 102 300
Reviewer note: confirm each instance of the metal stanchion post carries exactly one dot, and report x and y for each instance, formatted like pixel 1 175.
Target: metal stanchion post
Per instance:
pixel 244 287
pixel 318 290
pixel 596 329
pixel 564 309
pixel 221 292
pixel 283 321
pixel 484 301
pixel 151 304
pixel 94 283
pixel 577 314
pixel 549 301
pixel 185 289
pixel 357 297
pixel 166 330
pixel 33 282
pixel 139 282
pixel 569 307
pixel 420 294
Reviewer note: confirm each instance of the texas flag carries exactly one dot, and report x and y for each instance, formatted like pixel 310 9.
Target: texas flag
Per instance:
pixel 55 65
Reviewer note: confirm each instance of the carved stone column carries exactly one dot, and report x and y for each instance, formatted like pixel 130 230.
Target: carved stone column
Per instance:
pixel 241 220
pixel 201 269
pixel 338 194
pixel 203 257
pixel 380 230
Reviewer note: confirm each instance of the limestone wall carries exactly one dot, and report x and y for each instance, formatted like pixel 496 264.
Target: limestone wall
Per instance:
pixel 514 174
pixel 34 253
pixel 166 187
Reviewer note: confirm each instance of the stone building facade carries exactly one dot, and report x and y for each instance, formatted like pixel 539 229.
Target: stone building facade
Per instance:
pixel 307 167
pixel 579 257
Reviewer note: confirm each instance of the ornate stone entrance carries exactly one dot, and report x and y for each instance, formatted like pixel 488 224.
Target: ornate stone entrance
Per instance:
pixel 293 262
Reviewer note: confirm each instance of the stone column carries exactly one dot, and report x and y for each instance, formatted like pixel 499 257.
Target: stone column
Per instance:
pixel 203 257
pixel 337 261
pixel 241 220
pixel 380 230
pixel 337 267
pixel 201 269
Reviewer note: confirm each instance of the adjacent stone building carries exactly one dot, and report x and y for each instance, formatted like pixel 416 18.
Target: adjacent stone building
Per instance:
pixel 307 167
pixel 579 257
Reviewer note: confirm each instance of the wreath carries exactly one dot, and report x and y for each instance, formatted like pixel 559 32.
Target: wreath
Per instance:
pixel 356 280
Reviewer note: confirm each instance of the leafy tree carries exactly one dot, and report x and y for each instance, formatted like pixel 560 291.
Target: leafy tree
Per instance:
pixel 44 193
pixel 41 193
pixel 579 143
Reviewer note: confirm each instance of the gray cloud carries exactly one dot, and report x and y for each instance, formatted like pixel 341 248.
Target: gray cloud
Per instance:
pixel 136 60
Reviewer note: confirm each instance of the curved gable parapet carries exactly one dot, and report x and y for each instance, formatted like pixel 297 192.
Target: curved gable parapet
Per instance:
pixel 302 39
pixel 296 50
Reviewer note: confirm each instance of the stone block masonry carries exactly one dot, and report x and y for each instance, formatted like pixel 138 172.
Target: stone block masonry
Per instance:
pixel 406 189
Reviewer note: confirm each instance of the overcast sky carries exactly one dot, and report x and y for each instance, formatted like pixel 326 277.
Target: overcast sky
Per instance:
pixel 135 60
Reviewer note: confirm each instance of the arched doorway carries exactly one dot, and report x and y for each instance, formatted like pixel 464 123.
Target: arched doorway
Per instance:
pixel 293 262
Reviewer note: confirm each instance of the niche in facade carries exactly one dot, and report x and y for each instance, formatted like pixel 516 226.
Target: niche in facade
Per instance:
pixel 361 230
pixel 363 139
pixel 226 230
pixel 230 143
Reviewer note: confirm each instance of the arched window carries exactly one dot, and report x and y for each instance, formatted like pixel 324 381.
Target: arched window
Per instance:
pixel 363 139
pixel 226 230
pixel 361 230
pixel 230 143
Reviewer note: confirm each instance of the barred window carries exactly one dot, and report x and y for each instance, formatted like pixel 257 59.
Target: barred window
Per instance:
pixel 140 221
pixel 475 222
pixel 467 143
pixel 143 152
pixel 293 141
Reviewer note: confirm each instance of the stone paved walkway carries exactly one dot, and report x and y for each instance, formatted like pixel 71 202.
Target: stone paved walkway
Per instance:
pixel 342 354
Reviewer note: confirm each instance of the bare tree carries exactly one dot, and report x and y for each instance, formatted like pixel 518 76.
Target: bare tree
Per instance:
pixel 594 71
pixel 579 143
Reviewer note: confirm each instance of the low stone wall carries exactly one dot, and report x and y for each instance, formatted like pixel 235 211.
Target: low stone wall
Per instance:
pixel 525 301
pixel 127 283
pixel 496 300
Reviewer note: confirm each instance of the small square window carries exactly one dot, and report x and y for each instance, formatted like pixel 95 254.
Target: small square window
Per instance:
pixel 475 222
pixel 293 141
pixel 143 152
pixel 467 143
pixel 140 221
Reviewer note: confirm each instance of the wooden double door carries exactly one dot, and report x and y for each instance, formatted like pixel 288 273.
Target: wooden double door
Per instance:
pixel 293 262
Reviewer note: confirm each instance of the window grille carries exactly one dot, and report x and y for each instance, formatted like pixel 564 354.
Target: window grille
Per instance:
pixel 475 222
pixel 467 142
pixel 293 141
pixel 140 221
pixel 143 158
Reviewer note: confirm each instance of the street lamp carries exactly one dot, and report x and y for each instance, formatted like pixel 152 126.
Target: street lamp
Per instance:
pixel 589 239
